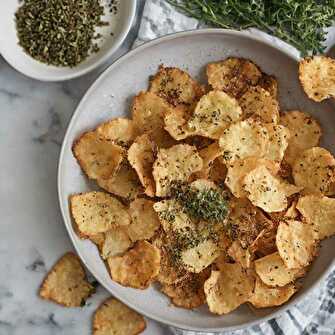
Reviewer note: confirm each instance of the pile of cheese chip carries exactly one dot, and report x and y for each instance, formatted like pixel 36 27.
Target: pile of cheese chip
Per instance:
pixel 228 136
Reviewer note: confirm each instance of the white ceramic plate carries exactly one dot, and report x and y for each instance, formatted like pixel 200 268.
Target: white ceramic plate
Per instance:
pixel 111 96
pixel 120 25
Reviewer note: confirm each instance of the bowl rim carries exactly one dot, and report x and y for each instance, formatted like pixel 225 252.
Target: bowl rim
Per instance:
pixel 127 25
pixel 245 34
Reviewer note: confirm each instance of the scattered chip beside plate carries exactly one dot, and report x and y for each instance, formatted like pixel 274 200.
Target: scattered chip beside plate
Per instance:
pixel 114 317
pixel 66 283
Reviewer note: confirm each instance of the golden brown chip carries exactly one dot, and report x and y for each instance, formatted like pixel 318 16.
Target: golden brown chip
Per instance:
pixel 188 293
pixel 175 164
pixel 314 170
pixel 141 156
pixel 124 183
pixel 264 190
pixel 246 221
pixel 265 296
pixel 270 84
pixel 279 138
pixel 240 255
pixel 317 77
pixel 208 155
pixel 199 257
pixel 217 171
pixel 116 242
pixel 66 283
pixel 319 212
pixel 148 112
pixel 97 212
pixel 273 272
pixel 265 243
pixel 233 75
pixel 259 103
pixel 120 131
pixel 114 318
pixel 144 220
pixel 238 169
pixel 172 215
pixel 171 271
pixel 175 86
pixel 214 112
pixel 296 243
pixel 305 133
pixel 138 267
pixel 244 139
pixel 228 288
pixel 98 157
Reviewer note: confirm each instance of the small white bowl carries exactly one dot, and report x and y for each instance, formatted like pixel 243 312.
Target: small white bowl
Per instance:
pixel 14 54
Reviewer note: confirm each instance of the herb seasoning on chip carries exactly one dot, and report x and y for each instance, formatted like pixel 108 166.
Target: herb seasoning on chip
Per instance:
pixel 59 32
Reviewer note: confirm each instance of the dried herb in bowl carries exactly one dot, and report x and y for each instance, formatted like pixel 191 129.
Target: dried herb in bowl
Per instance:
pixel 298 22
pixel 59 32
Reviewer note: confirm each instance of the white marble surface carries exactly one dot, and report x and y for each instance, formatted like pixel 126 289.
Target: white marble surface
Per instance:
pixel 34 117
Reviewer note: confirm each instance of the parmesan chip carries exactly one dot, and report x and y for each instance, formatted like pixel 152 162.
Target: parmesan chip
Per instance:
pixel 199 257
pixel 319 212
pixel 175 86
pixel 66 283
pixel 314 170
pixel 265 243
pixel 97 212
pixel 244 139
pixel 238 169
pixel 144 220
pixel 172 216
pixel 120 131
pixel 171 271
pixel 208 155
pixel 116 242
pixel 296 243
pixel 233 75
pixel 317 77
pixel 141 156
pixel 273 272
pixel 138 267
pixel 257 102
pixel 228 288
pixel 115 318
pixel 98 240
pixel 270 84
pixel 264 190
pixel 98 157
pixel 175 164
pixel 279 138
pixel 246 221
pixel 148 112
pixel 214 112
pixel 240 255
pixel 265 296
pixel 189 293
pixel 124 183
pixel 305 133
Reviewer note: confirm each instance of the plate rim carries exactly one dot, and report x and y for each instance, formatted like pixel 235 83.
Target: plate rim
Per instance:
pixel 279 310
pixel 78 73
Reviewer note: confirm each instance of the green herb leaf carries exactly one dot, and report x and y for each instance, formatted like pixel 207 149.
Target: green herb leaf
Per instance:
pixel 298 22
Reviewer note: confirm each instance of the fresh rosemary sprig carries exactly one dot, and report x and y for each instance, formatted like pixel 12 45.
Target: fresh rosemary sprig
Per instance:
pixel 301 23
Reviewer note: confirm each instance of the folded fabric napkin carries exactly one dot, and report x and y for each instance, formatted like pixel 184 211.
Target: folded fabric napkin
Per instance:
pixel 316 313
